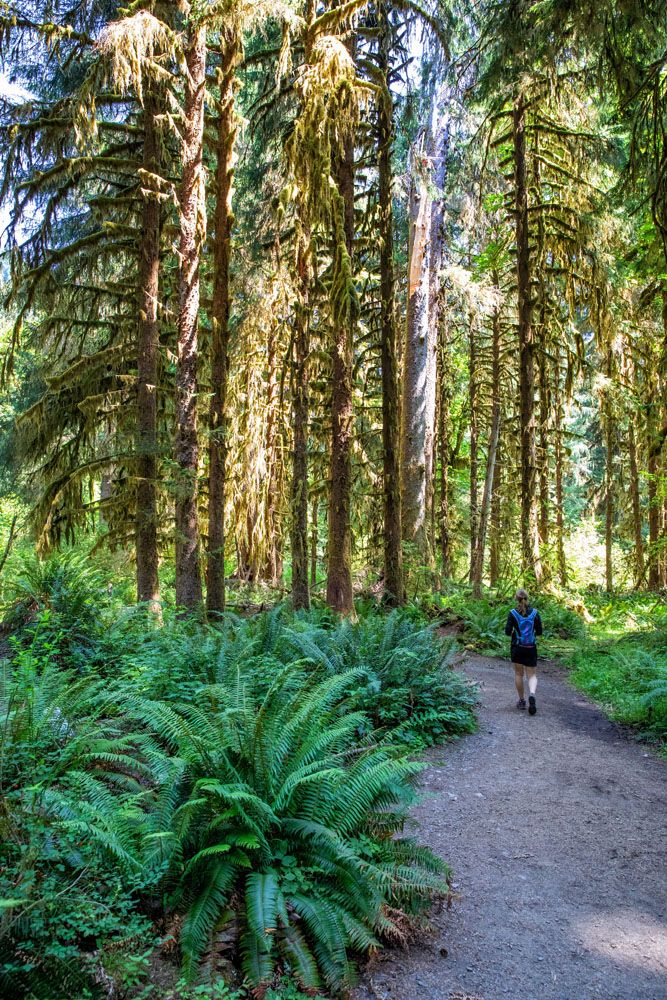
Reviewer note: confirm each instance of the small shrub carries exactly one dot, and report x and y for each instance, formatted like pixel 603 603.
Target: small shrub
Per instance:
pixel 628 681
pixel 59 602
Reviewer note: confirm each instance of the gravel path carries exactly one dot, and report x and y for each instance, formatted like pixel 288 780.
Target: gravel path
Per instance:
pixel 555 827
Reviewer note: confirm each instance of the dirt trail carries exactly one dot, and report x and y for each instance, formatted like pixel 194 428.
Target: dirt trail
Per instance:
pixel 555 827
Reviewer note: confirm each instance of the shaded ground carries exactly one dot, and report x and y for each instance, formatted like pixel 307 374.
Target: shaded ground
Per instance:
pixel 556 829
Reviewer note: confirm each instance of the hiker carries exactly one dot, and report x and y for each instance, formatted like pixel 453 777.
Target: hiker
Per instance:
pixel 523 625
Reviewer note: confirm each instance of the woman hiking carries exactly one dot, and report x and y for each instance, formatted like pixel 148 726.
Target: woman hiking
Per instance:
pixel 523 625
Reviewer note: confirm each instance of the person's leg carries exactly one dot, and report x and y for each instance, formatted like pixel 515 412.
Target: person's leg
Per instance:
pixel 518 681
pixel 531 674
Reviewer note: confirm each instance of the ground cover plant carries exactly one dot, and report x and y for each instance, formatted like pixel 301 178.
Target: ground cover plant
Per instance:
pixel 72 801
pixel 226 801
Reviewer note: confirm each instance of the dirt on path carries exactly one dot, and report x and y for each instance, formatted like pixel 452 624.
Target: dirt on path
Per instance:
pixel 556 829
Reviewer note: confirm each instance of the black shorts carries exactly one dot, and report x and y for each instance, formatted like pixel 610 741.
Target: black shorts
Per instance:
pixel 525 655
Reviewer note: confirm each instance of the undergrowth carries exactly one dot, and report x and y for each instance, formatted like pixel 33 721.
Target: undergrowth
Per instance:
pixel 201 811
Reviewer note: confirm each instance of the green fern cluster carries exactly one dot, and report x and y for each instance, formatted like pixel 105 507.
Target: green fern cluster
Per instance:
pixel 285 828
pixel 405 678
pixel 73 802
pixel 233 777
pixel 228 777
pixel 60 602
pixel 406 682
pixel 654 699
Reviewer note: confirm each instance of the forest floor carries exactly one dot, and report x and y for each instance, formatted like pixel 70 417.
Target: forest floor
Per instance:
pixel 554 826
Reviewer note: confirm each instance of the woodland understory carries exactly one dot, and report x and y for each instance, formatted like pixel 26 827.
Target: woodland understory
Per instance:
pixel 325 324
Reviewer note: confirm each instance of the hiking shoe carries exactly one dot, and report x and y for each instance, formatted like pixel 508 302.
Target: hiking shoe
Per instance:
pixel 532 707
pixel 521 703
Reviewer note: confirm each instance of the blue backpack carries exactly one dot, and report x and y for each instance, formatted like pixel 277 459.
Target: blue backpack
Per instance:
pixel 526 627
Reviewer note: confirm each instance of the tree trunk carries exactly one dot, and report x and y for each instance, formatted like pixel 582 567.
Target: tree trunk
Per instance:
pixel 273 565
pixel 418 409
pixel 438 156
pixel 394 588
pixel 106 488
pixel 653 500
pixel 474 442
pixel 608 422
pixel 540 333
pixel 339 548
pixel 494 521
pixel 494 437
pixel 192 232
pixel 636 503
pixel 545 408
pixel 299 497
pixel 529 530
pixel 559 457
pixel 223 222
pixel 314 514
pixel 444 383
pixel 662 391
pixel 146 537
pixel 608 507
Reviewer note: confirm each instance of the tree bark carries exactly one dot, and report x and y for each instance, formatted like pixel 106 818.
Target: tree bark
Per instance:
pixel 474 442
pixel 636 504
pixel 444 383
pixel 418 404
pixel 221 307
pixel 662 389
pixel 545 409
pixel 192 233
pixel 529 528
pixel 608 420
pixel 653 451
pixel 273 563
pixel 494 520
pixel 339 548
pixel 559 459
pixel 8 544
pixel 494 437
pixel 300 403
pixel 314 514
pixel 609 508
pixel 439 136
pixel 394 587
pixel 146 518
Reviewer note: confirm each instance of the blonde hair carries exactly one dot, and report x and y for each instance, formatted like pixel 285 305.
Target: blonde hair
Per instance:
pixel 521 598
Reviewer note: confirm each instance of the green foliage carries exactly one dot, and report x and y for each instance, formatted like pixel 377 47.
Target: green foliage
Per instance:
pixel 72 798
pixel 286 824
pixel 232 777
pixel 629 682
pixel 623 662
pixel 59 604
pixel 405 675
pixel 406 681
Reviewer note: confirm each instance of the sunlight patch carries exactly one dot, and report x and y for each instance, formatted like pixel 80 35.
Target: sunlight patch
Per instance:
pixel 626 937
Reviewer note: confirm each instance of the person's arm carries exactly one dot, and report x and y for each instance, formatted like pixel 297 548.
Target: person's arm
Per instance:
pixel 510 624
pixel 538 624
